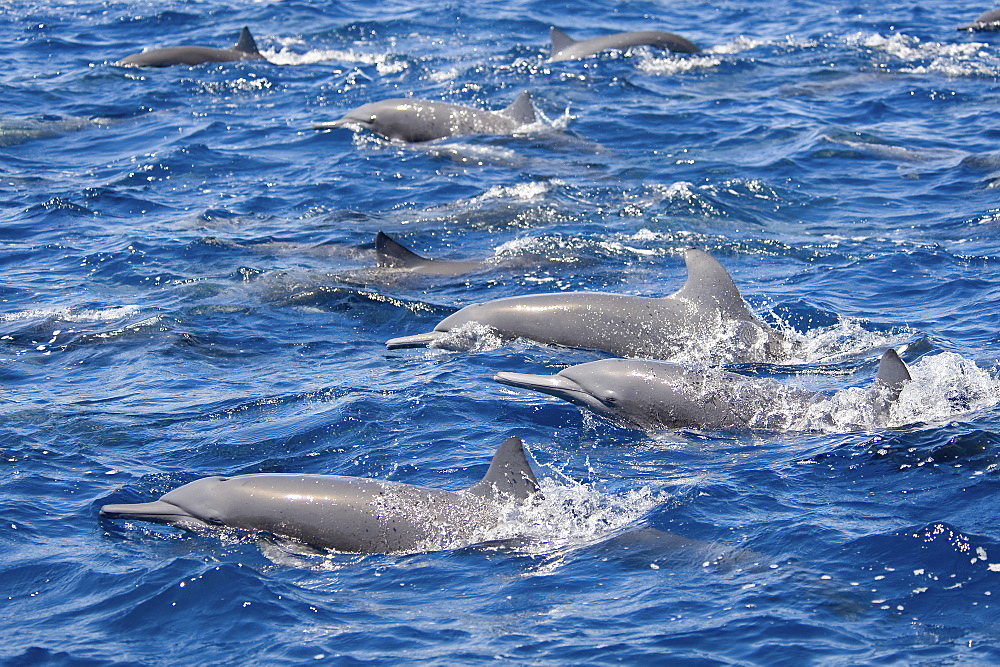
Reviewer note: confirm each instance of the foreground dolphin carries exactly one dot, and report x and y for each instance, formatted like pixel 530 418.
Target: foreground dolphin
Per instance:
pixel 245 49
pixel 565 47
pixel 708 310
pixel 423 120
pixel 349 514
pixel 657 395
pixel 985 22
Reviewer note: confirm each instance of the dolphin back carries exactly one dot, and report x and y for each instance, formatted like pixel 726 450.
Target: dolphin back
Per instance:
pixel 709 285
pixel 892 373
pixel 521 111
pixel 246 43
pixel 509 474
pixel 392 253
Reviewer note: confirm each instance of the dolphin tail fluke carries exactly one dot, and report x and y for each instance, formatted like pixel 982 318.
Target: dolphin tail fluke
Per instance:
pixel 246 43
pixel 892 373
pixel 560 40
pixel 509 474
pixel 417 340
pixel 392 253
pixel 521 110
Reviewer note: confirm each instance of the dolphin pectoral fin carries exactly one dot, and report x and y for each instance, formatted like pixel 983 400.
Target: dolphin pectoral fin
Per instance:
pixel 417 340
pixel 158 511
pixel 246 43
pixel 892 373
pixel 509 473
pixel 392 253
pixel 521 110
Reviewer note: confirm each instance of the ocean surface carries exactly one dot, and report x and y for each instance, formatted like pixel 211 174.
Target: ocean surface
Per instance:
pixel 187 289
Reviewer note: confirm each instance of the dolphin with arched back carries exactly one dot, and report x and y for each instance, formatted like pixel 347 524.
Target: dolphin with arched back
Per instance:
pixel 349 514
pixel 708 308
pixel 656 395
pixel 985 22
pixel 422 120
pixel 565 47
pixel 244 49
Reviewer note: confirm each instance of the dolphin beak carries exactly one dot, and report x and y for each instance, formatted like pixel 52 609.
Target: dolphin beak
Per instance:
pixel 330 125
pixel 418 340
pixel 158 511
pixel 554 385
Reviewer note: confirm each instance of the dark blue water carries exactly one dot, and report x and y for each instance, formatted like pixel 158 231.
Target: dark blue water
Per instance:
pixel 186 290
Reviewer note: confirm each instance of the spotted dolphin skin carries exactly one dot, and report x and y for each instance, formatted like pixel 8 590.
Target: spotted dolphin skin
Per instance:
pixel 348 514
pixel 565 47
pixel 655 395
pixel 244 49
pixel 422 120
pixel 985 22
pixel 708 308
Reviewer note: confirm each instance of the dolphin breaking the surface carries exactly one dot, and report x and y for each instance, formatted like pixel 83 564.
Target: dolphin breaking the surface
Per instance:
pixel 423 120
pixel 565 47
pixel 244 49
pixel 707 311
pixel 985 22
pixel 348 514
pixel 656 395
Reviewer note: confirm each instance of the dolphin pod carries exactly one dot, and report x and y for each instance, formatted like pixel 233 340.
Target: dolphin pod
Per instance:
pixel 985 22
pixel 348 514
pixel 422 120
pixel 708 307
pixel 565 47
pixel 244 49
pixel 658 395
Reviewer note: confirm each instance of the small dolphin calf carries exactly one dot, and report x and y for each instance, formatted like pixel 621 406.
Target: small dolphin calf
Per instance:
pixel 348 514
pixel 985 22
pixel 245 49
pixel 708 312
pixel 657 395
pixel 423 120
pixel 565 47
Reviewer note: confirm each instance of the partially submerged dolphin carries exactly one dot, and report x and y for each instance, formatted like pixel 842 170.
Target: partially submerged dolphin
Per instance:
pixel 349 514
pixel 708 312
pixel 565 47
pixel 985 22
pixel 244 49
pixel 423 120
pixel 658 395
pixel 391 254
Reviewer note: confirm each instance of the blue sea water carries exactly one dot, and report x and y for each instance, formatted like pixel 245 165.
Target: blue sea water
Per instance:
pixel 187 290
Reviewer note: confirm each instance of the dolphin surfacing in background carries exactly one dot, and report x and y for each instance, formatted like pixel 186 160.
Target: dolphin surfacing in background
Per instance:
pixel 985 22
pixel 707 310
pixel 391 254
pixel 656 395
pixel 244 49
pixel 423 120
pixel 348 514
pixel 565 47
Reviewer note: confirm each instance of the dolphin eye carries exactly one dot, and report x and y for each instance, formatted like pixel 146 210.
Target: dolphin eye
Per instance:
pixel 610 397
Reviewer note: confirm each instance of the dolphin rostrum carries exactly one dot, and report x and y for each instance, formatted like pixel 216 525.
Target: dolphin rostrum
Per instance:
pixel 658 395
pixel 565 47
pixel 707 312
pixel 349 514
pixel 244 49
pixel 985 22
pixel 422 120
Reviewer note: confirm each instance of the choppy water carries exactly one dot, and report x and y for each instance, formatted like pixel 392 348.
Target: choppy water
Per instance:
pixel 186 291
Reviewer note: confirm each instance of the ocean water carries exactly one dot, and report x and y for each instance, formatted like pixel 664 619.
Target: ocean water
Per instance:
pixel 187 289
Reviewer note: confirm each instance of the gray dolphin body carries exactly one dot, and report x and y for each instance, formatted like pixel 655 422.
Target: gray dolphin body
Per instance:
pixel 657 395
pixel 244 49
pixel 348 514
pixel 565 47
pixel 424 120
pixel 985 22
pixel 391 254
pixel 707 308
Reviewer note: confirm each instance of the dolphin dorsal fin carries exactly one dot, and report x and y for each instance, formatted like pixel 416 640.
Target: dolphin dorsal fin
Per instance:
pixel 521 110
pixel 246 43
pixel 892 372
pixel 710 285
pixel 560 40
pixel 392 253
pixel 509 474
